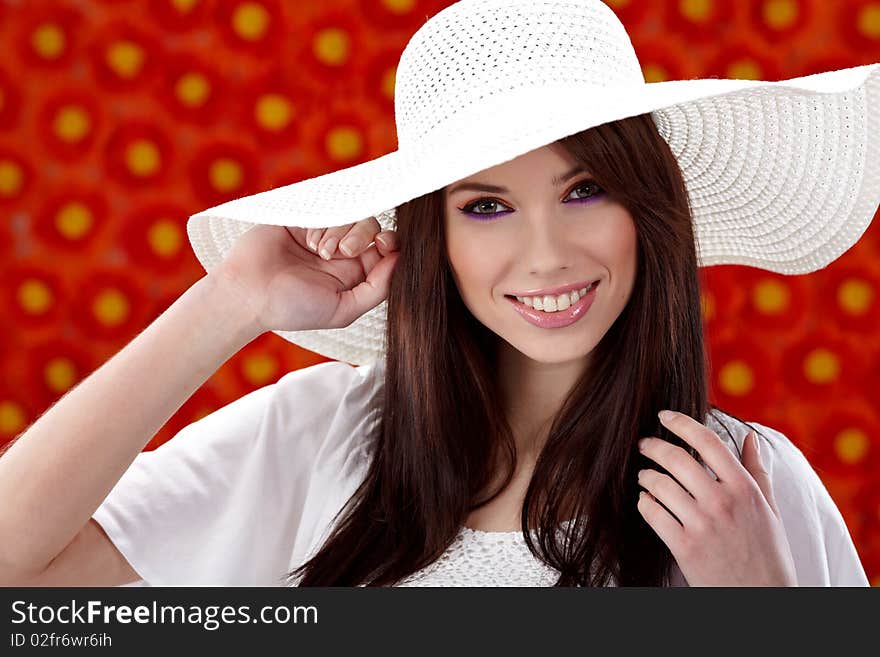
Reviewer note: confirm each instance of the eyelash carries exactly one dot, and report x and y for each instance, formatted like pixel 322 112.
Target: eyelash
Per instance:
pixel 483 216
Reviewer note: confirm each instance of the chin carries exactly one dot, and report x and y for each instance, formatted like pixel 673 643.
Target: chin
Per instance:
pixel 554 351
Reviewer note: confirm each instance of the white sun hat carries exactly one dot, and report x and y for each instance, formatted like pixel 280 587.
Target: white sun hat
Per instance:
pixel 782 176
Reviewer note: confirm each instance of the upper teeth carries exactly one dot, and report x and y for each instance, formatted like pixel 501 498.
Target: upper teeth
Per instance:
pixel 553 303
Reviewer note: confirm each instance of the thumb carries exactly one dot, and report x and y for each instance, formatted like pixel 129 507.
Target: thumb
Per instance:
pixel 755 467
pixel 370 293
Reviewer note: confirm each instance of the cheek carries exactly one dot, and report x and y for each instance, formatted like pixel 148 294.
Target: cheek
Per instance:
pixel 623 245
pixel 469 256
pixel 618 241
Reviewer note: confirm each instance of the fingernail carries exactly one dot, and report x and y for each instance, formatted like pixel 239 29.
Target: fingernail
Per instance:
pixel 643 443
pixel 348 246
pixel 666 415
pixel 312 246
pixel 383 240
pixel 329 246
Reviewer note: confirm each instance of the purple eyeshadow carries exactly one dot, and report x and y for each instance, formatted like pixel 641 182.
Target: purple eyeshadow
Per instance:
pixel 492 216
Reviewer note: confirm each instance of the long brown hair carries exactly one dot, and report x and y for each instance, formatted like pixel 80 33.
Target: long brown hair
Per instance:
pixel 442 430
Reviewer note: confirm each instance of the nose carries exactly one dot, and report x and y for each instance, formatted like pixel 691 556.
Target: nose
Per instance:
pixel 547 246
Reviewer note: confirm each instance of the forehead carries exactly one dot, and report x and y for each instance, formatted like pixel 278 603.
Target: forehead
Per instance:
pixel 551 162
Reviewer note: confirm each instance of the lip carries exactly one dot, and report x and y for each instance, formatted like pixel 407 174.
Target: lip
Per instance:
pixel 560 318
pixel 554 291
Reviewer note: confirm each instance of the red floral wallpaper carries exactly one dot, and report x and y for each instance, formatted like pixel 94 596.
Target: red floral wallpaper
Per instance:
pixel 120 119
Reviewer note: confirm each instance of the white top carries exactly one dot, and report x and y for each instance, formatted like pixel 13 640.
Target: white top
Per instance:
pixel 247 493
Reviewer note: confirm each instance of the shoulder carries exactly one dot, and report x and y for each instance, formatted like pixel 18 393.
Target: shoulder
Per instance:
pixel 330 382
pixel 315 395
pixel 790 472
pixel 306 414
pixel 304 399
pixel 330 407
pixel 786 464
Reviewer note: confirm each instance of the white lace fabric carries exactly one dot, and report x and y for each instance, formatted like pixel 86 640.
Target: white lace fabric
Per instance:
pixel 480 558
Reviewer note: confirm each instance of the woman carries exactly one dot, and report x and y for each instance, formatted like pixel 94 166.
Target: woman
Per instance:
pixel 544 419
pixel 491 435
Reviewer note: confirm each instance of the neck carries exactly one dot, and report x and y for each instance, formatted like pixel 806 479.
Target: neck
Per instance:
pixel 532 394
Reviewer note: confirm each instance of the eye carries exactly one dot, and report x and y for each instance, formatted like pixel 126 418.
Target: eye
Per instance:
pixel 593 190
pixel 586 191
pixel 483 206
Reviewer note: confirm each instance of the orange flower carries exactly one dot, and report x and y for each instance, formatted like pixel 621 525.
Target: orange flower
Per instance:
pixel 665 59
pixel 743 375
pixel 744 59
pixel 342 137
pixel 192 90
pixel 34 296
pixel 849 298
pixel 773 302
pixel 125 57
pixel 859 23
pixel 154 236
pixel 328 50
pixel 223 170
pixel 698 20
pixel 50 35
pixel 779 20
pixel 822 367
pixel 16 176
pixel 847 442
pixel 69 123
pixel 54 367
pixel 138 153
pixel 72 219
pixel 253 27
pixel 110 305
pixel 273 108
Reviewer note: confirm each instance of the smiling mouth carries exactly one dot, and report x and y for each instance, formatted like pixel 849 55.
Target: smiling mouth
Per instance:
pixel 589 288
pixel 557 318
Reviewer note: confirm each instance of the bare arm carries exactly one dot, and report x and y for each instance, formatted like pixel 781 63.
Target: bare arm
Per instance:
pixel 59 471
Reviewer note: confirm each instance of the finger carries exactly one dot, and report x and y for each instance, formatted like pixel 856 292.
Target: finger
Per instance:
pixel 370 257
pixel 366 295
pixel 707 443
pixel 681 465
pixel 299 235
pixel 668 491
pixel 313 236
pixel 387 241
pixel 661 521
pixel 377 252
pixel 755 467
pixel 330 240
pixel 359 236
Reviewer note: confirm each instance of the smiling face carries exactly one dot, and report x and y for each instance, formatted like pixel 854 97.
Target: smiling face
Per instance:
pixel 547 230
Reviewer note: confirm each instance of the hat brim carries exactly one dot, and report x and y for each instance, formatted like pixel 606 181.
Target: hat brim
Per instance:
pixel 781 175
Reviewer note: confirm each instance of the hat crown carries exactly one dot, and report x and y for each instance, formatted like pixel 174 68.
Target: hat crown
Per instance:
pixel 476 48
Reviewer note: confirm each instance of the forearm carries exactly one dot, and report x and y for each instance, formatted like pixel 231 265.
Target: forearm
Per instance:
pixel 60 470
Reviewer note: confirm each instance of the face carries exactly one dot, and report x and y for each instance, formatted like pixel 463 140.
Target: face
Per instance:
pixel 543 230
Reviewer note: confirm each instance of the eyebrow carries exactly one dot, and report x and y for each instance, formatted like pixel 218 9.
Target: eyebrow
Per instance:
pixel 494 189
